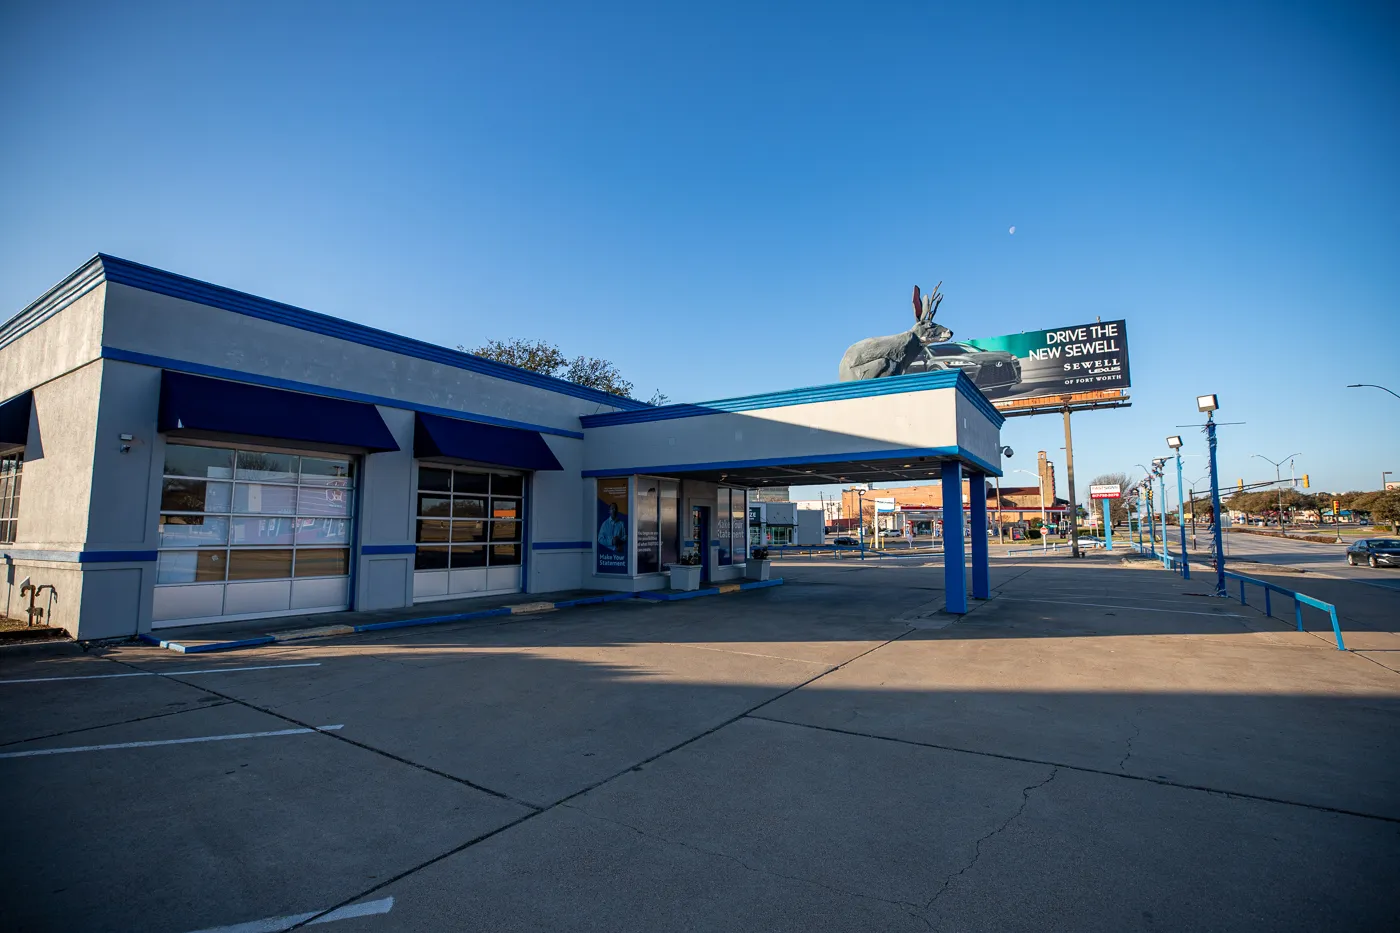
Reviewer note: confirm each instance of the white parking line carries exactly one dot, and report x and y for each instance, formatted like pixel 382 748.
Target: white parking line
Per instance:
pixel 202 738
pixel 1185 612
pixel 277 924
pixel 207 670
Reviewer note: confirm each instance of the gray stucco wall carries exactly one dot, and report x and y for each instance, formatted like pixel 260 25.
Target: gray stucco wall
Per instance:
pixel 173 328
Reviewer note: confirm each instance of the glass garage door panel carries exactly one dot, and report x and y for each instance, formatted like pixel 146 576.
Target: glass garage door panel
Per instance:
pixel 252 532
pixel 470 532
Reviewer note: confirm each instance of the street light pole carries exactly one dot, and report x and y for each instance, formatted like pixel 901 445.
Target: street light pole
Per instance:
pixel 1174 442
pixel 1209 404
pixel 1370 385
pixel 1278 481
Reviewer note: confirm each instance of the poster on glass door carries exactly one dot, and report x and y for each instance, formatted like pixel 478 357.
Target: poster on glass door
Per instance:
pixel 612 526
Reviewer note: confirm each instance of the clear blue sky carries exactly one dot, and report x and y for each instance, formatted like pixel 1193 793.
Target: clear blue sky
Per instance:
pixel 721 198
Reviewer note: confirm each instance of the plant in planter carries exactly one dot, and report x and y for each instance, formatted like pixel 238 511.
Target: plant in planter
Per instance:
pixel 758 565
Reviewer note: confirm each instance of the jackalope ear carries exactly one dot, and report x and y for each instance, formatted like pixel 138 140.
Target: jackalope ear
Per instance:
pixel 918 310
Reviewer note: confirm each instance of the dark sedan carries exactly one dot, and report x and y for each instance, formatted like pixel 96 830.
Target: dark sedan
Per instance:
pixel 1378 552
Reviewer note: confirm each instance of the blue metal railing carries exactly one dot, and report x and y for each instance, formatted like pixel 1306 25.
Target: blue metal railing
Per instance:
pixel 1299 599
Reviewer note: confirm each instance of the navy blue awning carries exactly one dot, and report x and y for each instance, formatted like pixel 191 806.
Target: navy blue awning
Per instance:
pixel 201 404
pixel 436 436
pixel 14 420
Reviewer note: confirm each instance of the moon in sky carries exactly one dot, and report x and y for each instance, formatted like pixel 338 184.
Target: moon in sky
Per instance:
pixel 1012 231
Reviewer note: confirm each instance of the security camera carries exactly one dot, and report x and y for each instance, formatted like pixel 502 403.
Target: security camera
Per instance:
pixel 1008 452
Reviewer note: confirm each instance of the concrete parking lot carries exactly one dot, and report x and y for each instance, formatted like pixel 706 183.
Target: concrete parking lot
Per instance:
pixel 1098 747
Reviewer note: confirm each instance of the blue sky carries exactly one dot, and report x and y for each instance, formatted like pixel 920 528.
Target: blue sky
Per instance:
pixel 721 198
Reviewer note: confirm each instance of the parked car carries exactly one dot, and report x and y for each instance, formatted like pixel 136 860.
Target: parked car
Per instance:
pixel 846 540
pixel 1378 552
pixel 989 369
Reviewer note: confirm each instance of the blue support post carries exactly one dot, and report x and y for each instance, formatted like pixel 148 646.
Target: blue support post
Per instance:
pixel 1181 519
pixel 1217 532
pixel 1107 527
pixel 1162 487
pixel 1298 611
pixel 954 573
pixel 977 520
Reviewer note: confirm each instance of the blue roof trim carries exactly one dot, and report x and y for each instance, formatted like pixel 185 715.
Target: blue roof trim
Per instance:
pixel 836 391
pixel 125 272
pixel 199 369
pixel 73 286
pixel 899 453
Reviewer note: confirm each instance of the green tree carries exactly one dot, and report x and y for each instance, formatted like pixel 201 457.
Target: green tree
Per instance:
pixel 541 356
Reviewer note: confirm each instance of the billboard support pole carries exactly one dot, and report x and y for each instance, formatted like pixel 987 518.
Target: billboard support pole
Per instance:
pixel 1107 528
pixel 1073 502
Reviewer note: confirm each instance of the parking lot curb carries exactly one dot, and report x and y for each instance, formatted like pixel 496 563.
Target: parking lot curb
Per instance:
pixel 329 631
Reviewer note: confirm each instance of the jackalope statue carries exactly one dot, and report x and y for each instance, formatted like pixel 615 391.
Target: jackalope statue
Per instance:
pixel 874 357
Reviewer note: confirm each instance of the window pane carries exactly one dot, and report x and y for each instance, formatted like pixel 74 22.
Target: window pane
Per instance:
pixel 504 555
pixel 323 531
pixel 193 531
pixel 318 472
pixel 434 480
pixel 194 495
pixel 505 531
pixel 430 558
pixel 316 501
pixel 505 508
pixel 468 508
pixel 502 485
pixel 645 523
pixel 469 531
pixel 262 531
pixel 259 565
pixel 322 562
pixel 191 566
pixel 7 532
pixel 670 522
pixel 267 467
pixel 268 500
pixel 462 481
pixel 468 556
pixel 203 462
pixel 737 529
pixel 434 506
pixel 432 532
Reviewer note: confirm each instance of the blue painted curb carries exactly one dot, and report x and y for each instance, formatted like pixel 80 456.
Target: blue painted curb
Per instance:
pixel 657 595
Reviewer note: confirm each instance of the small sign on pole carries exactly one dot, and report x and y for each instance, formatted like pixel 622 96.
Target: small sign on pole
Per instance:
pixel 1106 491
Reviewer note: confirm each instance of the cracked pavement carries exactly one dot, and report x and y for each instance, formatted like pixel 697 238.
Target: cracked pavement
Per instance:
pixel 834 758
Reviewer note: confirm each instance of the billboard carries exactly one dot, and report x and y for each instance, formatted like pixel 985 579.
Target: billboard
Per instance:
pixel 1106 491
pixel 1063 361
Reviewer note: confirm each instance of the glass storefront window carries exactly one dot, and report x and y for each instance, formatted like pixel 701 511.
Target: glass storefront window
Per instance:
pixel 230 514
pixel 670 508
pixel 646 523
pixel 461 516
pixel 726 555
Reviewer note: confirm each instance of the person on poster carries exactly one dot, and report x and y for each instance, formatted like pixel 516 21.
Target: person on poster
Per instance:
pixel 612 533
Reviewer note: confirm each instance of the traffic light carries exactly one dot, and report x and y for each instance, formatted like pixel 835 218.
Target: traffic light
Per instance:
pixel 1241 485
pixel 1306 483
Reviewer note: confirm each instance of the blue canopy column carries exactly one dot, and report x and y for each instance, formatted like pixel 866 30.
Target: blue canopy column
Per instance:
pixel 977 518
pixel 954 576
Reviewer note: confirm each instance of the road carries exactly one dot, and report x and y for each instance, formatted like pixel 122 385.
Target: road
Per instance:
pixel 1329 559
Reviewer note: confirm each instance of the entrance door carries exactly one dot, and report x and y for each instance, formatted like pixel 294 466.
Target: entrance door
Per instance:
pixel 700 534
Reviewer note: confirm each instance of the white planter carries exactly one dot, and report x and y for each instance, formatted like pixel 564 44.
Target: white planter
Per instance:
pixel 684 576
pixel 757 569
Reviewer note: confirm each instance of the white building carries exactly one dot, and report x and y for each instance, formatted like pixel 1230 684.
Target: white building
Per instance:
pixel 173 452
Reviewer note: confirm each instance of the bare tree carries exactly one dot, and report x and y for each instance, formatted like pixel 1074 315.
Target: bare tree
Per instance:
pixel 541 356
